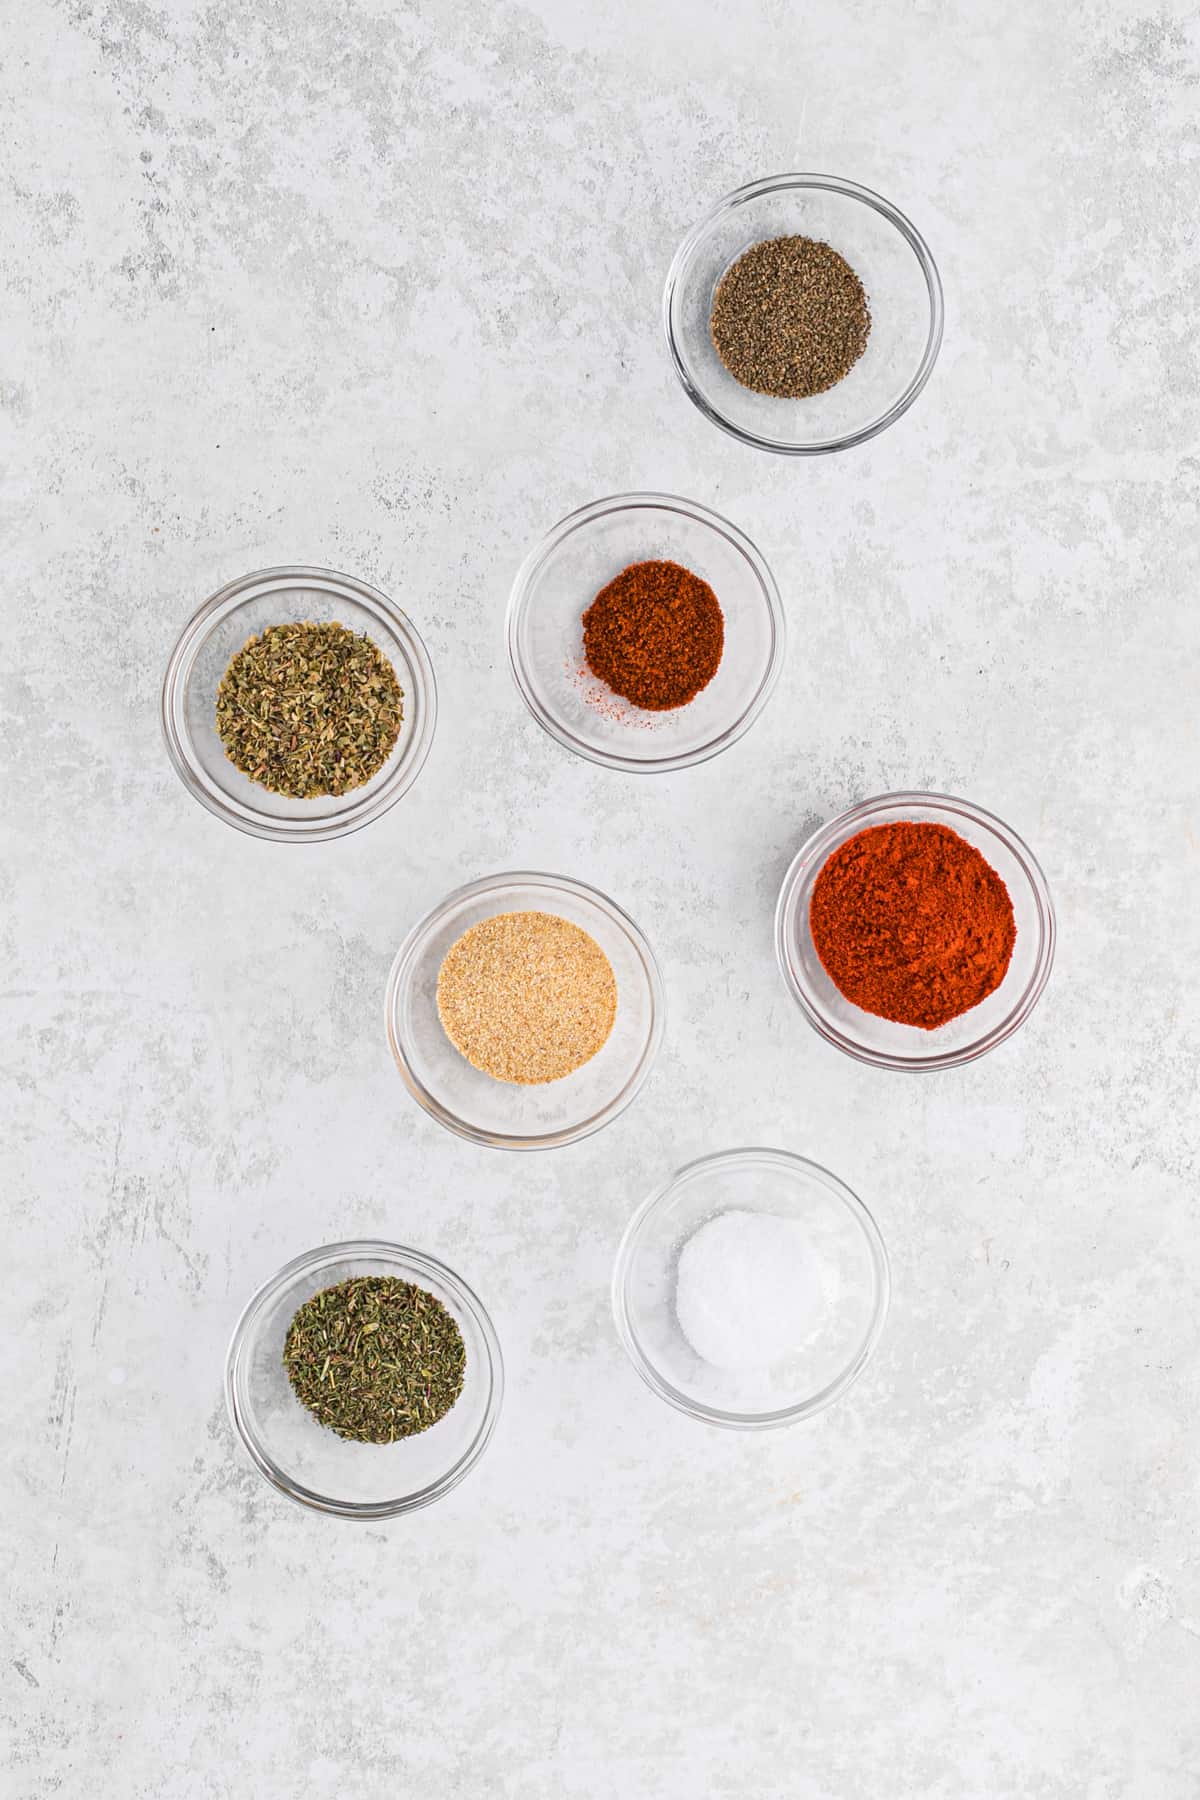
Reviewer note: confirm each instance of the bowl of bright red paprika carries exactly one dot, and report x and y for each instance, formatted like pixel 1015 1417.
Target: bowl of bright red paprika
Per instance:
pixel 645 632
pixel 915 931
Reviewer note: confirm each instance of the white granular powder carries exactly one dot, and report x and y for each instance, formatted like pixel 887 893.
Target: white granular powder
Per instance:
pixel 749 1289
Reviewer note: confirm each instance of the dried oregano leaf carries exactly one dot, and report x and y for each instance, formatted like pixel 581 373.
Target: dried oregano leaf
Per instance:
pixel 308 709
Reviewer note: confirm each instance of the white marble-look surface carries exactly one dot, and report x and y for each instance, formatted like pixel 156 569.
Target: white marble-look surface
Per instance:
pixel 376 287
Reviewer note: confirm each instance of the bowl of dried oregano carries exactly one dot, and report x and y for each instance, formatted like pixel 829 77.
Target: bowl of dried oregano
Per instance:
pixel 299 704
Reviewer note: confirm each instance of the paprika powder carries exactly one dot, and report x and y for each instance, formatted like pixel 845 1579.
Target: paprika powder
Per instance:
pixel 911 923
pixel 654 635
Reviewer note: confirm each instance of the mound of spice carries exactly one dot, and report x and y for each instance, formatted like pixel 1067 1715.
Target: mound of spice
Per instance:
pixel 526 997
pixel 307 710
pixel 911 923
pixel 375 1358
pixel 790 318
pixel 654 635
pixel 751 1288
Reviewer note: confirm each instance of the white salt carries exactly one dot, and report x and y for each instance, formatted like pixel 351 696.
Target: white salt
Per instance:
pixel 750 1290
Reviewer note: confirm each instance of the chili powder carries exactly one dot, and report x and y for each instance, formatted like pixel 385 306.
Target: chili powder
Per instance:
pixel 912 924
pixel 654 635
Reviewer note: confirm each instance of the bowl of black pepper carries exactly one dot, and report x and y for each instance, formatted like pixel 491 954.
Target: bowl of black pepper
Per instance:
pixel 364 1380
pixel 299 704
pixel 803 314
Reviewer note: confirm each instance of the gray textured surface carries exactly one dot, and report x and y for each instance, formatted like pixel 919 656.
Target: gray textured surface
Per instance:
pixel 377 287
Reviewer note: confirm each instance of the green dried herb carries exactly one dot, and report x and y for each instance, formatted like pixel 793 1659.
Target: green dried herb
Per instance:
pixel 375 1358
pixel 309 709
pixel 790 318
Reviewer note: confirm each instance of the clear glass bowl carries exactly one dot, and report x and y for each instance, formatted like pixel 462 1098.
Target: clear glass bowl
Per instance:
pixel 500 1113
pixel 219 629
pixel 904 292
pixel 311 1464
pixel 882 1041
pixel 842 1333
pixel 561 577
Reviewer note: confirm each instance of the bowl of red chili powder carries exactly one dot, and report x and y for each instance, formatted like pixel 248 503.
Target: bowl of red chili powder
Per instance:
pixel 916 931
pixel 645 632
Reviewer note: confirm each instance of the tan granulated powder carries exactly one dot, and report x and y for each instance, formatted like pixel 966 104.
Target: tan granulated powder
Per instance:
pixel 526 997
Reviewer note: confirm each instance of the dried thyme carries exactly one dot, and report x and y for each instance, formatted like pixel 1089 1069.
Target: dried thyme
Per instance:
pixel 307 710
pixel 790 318
pixel 375 1358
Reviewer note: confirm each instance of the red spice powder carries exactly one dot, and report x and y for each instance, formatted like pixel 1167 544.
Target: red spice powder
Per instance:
pixel 602 700
pixel 654 635
pixel 911 923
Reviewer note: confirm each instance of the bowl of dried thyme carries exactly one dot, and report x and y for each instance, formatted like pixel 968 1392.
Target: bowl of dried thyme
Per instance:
pixel 364 1379
pixel 299 704
pixel 803 314
pixel 525 1011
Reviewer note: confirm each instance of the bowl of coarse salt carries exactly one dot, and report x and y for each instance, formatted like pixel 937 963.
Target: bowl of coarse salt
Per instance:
pixel 751 1290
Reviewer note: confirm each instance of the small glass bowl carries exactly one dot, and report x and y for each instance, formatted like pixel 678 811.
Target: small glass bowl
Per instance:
pixel 219 629
pixel 856 1289
pixel 904 292
pixel 500 1113
pixel 561 577
pixel 311 1464
pixel 882 1041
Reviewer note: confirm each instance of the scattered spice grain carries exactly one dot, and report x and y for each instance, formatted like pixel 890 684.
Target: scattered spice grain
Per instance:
pixel 790 318
pixel 655 635
pixel 526 997
pixel 307 710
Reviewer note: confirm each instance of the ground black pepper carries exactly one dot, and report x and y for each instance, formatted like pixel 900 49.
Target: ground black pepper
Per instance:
pixel 790 318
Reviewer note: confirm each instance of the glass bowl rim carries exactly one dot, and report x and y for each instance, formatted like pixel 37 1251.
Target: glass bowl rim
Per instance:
pixel 400 969
pixel 824 840
pixel 178 739
pixel 778 1416
pixel 535 559
pixel 850 190
pixel 399 1255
